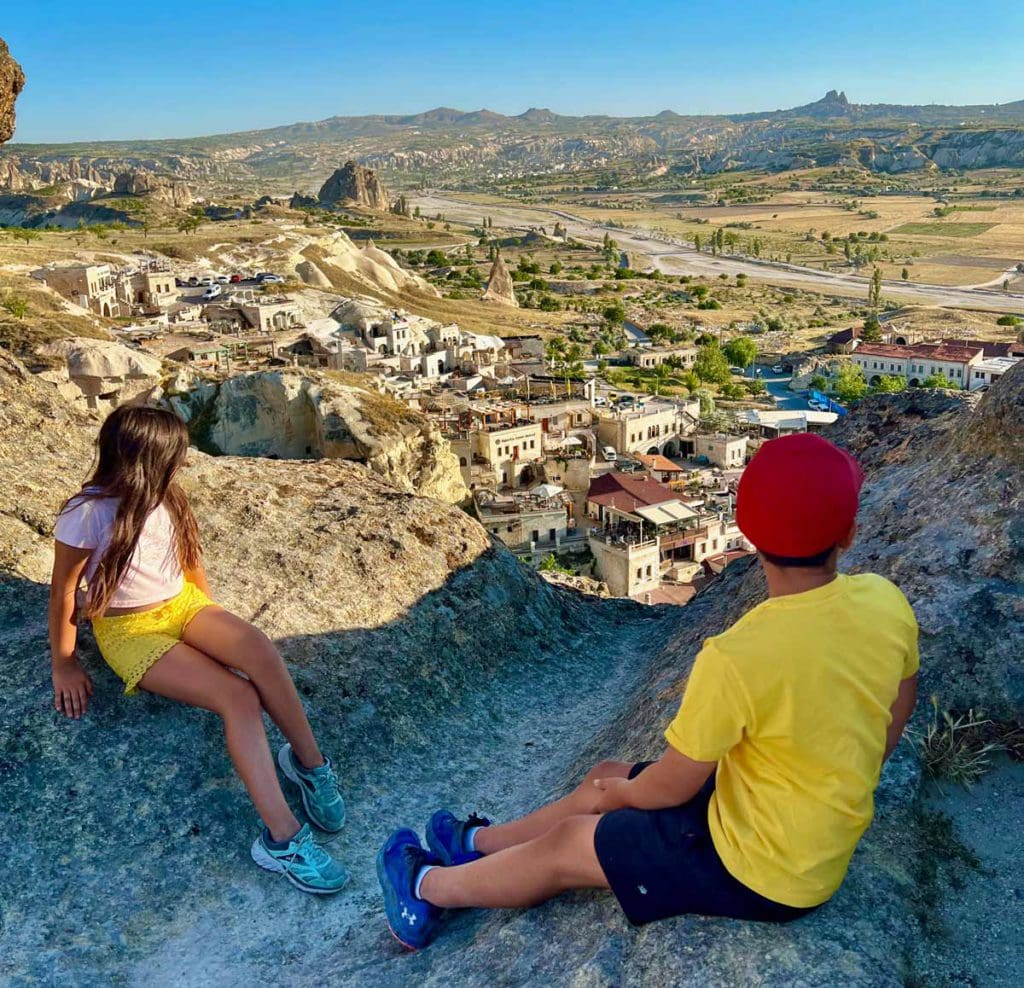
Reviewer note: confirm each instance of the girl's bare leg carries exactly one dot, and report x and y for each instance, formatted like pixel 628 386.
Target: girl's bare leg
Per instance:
pixel 237 644
pixel 582 800
pixel 525 875
pixel 185 674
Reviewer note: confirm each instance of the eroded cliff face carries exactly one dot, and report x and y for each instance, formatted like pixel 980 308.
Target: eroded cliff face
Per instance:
pixel 12 81
pixel 292 415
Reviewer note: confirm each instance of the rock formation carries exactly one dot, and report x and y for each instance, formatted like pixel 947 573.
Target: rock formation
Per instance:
pixel 401 624
pixel 105 372
pixel 141 182
pixel 499 284
pixel 351 269
pixel 293 415
pixel 12 81
pixel 352 183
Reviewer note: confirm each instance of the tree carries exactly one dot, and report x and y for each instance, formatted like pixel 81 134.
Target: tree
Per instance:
pixel 24 234
pixel 741 352
pixel 189 224
pixel 16 305
pixel 818 382
pixel 905 274
pixel 891 384
pixel 614 313
pixel 755 386
pixel 554 348
pixel 875 291
pixel 850 385
pixel 939 381
pixel 1008 321
pixel 872 331
pixel 696 241
pixel 711 365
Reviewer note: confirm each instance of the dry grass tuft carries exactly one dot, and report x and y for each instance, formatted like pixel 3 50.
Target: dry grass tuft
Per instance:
pixel 959 748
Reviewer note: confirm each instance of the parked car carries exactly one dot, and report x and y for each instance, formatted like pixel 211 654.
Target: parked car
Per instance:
pixel 737 370
pixel 600 401
pixel 207 281
pixel 269 278
pixel 817 406
pixel 608 452
pixel 214 291
pixel 235 279
pixel 222 279
pixel 179 282
pixel 627 401
pixel 778 369
pixel 193 282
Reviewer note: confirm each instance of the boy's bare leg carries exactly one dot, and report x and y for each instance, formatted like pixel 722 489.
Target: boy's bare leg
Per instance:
pixel 582 800
pixel 563 858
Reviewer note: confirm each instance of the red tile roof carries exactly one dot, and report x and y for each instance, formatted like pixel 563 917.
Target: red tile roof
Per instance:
pixel 669 593
pixel 920 351
pixel 627 492
pixel 656 461
pixel 990 348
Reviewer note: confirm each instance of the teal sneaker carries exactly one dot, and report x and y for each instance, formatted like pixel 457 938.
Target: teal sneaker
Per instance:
pixel 303 862
pixel 319 787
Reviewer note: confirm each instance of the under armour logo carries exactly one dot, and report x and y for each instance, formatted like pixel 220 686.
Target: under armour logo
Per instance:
pixel 409 916
pixel 641 890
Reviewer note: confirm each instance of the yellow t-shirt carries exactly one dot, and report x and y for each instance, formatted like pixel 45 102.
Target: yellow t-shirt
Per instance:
pixel 793 702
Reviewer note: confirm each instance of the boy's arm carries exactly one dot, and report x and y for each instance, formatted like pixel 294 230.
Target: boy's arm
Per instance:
pixel 197 577
pixel 671 781
pixel 72 686
pixel 902 708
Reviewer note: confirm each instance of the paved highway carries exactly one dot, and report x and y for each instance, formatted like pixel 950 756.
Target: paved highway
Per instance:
pixel 675 257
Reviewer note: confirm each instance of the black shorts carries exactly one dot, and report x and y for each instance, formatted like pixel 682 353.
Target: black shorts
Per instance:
pixel 662 863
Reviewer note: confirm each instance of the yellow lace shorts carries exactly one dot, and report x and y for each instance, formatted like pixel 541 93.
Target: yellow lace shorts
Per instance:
pixel 131 643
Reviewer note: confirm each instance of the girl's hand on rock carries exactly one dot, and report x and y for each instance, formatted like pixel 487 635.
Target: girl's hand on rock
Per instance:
pixel 72 688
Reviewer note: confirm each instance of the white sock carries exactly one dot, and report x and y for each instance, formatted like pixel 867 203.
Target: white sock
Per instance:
pixel 421 874
pixel 470 838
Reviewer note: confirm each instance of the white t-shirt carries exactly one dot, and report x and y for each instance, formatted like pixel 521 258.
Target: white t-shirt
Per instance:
pixel 154 573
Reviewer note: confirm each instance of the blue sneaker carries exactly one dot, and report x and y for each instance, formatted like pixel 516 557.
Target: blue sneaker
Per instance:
pixel 319 788
pixel 446 837
pixel 303 862
pixel 412 922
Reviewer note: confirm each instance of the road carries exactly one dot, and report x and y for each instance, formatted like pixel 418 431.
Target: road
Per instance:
pixel 674 257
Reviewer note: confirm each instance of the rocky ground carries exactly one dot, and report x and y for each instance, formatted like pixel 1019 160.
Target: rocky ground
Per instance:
pixel 438 670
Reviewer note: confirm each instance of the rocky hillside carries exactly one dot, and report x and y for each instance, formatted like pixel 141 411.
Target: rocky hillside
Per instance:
pixel 449 145
pixel 439 671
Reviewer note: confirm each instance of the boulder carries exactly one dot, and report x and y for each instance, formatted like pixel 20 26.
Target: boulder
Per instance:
pixel 102 368
pixel 499 284
pixel 352 183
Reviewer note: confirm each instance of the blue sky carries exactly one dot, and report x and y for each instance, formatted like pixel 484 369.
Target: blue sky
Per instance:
pixel 104 70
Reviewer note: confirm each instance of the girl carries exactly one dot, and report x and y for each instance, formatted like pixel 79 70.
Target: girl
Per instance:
pixel 131 533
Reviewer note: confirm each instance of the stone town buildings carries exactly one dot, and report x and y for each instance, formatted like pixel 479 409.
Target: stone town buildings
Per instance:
pixel 917 362
pixel 525 521
pixel 91 286
pixel 684 355
pixel 655 427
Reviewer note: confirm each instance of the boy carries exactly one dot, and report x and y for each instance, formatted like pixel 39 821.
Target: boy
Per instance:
pixel 767 782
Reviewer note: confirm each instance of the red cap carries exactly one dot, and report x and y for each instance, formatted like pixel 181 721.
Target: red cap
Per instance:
pixel 798 496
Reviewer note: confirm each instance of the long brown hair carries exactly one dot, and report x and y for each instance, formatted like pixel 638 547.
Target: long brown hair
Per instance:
pixel 140 450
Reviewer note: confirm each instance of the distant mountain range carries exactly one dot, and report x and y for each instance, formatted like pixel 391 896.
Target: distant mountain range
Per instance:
pixel 453 146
